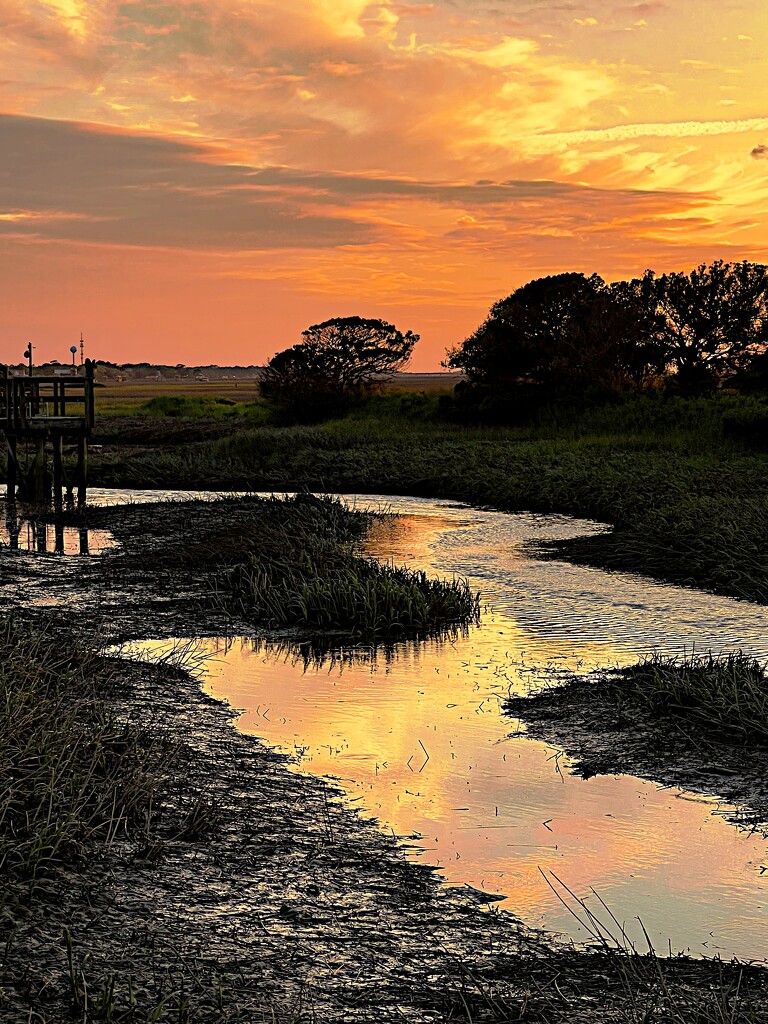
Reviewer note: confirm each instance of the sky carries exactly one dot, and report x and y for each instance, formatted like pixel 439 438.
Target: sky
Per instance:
pixel 199 181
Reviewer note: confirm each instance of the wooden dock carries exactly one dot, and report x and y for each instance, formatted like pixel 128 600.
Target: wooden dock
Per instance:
pixel 42 411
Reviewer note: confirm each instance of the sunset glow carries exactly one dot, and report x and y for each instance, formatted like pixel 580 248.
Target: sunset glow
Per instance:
pixel 199 181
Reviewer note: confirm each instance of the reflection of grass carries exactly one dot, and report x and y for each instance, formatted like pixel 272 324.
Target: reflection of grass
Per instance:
pixel 726 695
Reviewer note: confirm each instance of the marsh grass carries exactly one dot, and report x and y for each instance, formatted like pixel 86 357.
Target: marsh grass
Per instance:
pixel 726 695
pixel 311 575
pixel 352 595
pixel 688 503
pixel 71 775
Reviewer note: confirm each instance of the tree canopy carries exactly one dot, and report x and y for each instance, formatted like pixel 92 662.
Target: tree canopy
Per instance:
pixel 714 321
pixel 563 330
pixel 338 359
pixel 694 331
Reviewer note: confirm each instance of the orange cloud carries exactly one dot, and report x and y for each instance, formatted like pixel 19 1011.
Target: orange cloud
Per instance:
pixel 425 157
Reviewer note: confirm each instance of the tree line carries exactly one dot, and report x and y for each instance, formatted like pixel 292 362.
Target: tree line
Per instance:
pixel 563 335
pixel 692 332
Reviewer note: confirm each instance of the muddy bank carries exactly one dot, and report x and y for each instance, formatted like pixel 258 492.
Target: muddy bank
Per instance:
pixel 603 726
pixel 258 895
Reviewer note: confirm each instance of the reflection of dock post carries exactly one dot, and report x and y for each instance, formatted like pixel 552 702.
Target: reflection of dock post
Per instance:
pixel 12 525
pixel 40 530
pixel 83 540
pixel 58 474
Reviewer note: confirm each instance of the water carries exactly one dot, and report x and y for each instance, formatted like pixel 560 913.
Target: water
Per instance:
pixel 29 534
pixel 417 739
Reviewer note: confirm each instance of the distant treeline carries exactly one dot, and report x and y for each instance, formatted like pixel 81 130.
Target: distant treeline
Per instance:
pixel 570 337
pixel 138 370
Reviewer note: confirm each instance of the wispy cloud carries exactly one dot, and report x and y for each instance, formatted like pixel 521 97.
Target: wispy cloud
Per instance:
pixel 672 130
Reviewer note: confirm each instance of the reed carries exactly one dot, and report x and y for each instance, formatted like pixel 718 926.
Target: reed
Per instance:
pixel 654 989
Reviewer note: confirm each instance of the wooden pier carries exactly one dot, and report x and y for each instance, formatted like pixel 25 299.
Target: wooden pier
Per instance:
pixel 42 411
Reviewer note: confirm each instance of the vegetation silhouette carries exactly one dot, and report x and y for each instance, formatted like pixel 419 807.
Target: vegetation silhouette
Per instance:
pixel 575 338
pixel 339 361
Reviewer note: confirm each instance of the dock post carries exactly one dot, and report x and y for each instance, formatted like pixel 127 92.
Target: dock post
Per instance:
pixel 40 489
pixel 10 494
pixel 82 471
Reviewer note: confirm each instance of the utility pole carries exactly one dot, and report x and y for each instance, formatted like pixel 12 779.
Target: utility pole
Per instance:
pixel 28 355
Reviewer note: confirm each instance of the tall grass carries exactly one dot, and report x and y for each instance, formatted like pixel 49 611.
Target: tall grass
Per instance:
pixel 311 575
pixel 352 595
pixel 70 773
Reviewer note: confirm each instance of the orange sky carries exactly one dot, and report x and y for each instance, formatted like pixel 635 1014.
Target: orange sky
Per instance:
pixel 199 180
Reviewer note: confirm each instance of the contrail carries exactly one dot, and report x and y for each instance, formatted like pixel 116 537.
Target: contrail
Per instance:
pixel 673 129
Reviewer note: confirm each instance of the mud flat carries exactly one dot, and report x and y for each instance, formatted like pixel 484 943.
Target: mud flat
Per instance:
pixel 256 894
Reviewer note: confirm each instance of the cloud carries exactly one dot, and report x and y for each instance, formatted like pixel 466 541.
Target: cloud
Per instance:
pixel 90 184
pixel 87 184
pixel 673 129
pixel 760 152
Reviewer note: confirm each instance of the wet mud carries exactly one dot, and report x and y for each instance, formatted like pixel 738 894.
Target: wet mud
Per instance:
pixel 261 896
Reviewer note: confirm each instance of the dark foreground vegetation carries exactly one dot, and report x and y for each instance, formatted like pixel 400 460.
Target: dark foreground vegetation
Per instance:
pixel 158 866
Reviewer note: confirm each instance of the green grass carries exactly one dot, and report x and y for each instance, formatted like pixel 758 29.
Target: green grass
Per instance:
pixel 688 499
pixel 726 696
pixel 71 775
pixel 311 575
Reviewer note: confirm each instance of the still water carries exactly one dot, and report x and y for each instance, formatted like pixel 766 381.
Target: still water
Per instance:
pixel 416 737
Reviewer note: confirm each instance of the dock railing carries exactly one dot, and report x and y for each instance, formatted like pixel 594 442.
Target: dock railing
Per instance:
pixel 46 408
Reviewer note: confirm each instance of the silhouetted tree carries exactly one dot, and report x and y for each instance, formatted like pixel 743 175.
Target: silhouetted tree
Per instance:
pixel 338 360
pixel 565 331
pixel 714 321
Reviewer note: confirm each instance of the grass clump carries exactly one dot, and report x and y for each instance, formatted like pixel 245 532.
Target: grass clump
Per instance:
pixel 726 695
pixel 315 578
pixel 70 773
pixel 189 405
pixel 349 594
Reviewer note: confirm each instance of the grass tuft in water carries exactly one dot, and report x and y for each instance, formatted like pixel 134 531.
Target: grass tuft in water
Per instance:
pixel 317 580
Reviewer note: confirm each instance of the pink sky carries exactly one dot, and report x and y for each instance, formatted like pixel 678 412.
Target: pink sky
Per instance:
pixel 198 181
